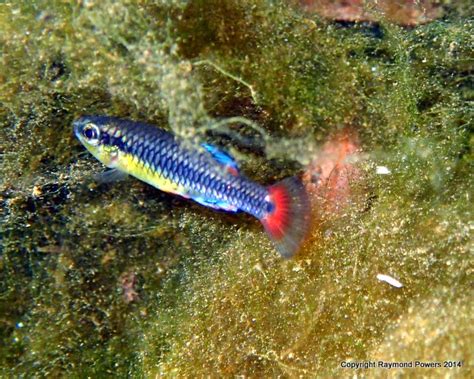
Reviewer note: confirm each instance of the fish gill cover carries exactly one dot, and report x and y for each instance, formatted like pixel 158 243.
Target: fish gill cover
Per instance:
pixel 121 279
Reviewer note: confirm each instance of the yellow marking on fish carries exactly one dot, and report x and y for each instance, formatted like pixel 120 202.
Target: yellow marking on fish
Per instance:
pixel 134 166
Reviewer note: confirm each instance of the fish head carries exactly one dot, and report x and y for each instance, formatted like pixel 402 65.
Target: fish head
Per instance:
pixel 93 133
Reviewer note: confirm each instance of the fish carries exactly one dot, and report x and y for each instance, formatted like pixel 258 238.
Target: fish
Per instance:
pixel 202 172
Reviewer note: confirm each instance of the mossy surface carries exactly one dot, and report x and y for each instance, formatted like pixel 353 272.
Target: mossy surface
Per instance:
pixel 123 280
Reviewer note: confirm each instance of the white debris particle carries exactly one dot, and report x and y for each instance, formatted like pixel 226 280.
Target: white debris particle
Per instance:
pixel 382 170
pixel 388 279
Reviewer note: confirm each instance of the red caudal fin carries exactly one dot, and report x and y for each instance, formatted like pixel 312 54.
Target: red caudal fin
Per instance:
pixel 287 222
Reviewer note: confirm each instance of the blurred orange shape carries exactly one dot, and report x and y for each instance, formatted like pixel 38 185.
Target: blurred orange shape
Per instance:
pixel 329 176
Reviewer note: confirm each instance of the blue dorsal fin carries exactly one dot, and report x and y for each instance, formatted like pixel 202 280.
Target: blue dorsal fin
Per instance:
pixel 223 158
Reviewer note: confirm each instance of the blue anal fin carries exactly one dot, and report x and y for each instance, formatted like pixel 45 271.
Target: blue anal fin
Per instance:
pixel 215 204
pixel 223 158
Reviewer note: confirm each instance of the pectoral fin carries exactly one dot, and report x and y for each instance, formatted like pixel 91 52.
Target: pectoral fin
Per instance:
pixel 113 175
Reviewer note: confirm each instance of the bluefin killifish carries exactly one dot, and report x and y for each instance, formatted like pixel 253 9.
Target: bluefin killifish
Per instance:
pixel 204 173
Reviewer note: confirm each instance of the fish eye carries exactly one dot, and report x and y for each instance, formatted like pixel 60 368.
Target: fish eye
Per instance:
pixel 91 133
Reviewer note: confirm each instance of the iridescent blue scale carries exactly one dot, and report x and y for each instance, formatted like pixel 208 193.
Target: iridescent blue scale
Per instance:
pixel 202 174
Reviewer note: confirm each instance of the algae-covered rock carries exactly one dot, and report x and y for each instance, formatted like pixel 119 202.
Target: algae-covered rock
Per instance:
pixel 119 279
pixel 435 333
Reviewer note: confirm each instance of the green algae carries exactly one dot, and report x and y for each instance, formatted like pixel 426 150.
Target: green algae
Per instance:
pixel 213 296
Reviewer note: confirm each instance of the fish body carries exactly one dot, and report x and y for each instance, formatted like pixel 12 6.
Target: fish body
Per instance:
pixel 204 174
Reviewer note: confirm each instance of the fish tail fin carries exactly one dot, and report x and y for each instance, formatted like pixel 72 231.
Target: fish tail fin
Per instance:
pixel 287 223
